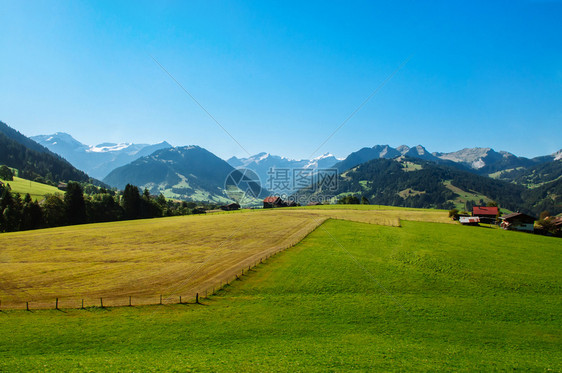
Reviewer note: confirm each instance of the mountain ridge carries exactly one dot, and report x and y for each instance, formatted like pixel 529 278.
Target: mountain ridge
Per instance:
pixel 34 161
pixel 187 172
pixel 97 160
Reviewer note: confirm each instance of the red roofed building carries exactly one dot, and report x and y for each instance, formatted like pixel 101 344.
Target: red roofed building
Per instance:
pixel 273 201
pixel 487 214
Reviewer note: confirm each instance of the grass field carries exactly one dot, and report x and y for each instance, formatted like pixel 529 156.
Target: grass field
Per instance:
pixel 350 296
pixel 144 259
pixel 37 191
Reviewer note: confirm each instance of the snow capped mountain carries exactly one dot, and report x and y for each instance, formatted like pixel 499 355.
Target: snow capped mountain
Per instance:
pixel 110 147
pixel 267 166
pixel 96 160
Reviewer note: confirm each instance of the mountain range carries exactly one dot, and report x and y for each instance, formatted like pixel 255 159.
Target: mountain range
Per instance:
pixel 426 179
pixel 99 160
pixel 268 168
pixel 414 182
pixel 188 173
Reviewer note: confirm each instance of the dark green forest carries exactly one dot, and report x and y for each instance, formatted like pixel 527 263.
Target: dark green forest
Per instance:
pixel 34 161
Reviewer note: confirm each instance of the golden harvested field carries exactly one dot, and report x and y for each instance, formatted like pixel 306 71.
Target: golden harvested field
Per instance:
pixel 167 256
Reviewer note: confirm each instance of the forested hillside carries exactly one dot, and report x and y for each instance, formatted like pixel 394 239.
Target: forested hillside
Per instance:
pixel 33 161
pixel 413 182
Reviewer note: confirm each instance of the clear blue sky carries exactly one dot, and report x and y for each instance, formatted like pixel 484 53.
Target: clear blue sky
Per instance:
pixel 281 76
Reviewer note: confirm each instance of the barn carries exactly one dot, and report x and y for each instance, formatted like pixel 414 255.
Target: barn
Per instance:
pixel 230 207
pixel 487 214
pixel 518 222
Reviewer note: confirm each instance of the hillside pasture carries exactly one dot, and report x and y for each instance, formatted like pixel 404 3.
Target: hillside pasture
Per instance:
pixel 37 191
pixel 349 297
pixel 144 259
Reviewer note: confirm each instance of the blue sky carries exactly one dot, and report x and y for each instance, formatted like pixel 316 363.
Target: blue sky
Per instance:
pixel 282 76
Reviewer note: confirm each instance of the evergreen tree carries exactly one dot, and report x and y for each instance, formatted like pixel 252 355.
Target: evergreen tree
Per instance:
pixel 32 215
pixel 75 205
pixel 6 173
pixel 54 211
pixel 131 202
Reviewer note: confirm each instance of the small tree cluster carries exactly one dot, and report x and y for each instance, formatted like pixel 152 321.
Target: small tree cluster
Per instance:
pixel 349 200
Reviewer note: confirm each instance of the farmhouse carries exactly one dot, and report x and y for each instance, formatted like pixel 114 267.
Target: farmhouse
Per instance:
pixel 485 213
pixel 273 201
pixel 230 207
pixel 518 222
pixel 62 186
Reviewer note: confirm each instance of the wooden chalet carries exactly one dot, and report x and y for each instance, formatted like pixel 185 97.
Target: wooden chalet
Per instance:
pixel 487 214
pixel 273 201
pixel 518 222
pixel 230 207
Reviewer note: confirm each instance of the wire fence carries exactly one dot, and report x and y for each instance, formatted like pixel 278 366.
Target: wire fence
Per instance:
pixel 196 296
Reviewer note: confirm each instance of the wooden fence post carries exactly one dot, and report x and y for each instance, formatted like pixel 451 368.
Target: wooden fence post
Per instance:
pixel 197 298
pixel 180 299
pixel 27 306
pixel 101 302
pixel 82 305
pixel 57 304
pixel 130 302
pixel 160 298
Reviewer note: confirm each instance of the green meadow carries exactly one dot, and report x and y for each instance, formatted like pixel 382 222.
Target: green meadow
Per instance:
pixel 37 191
pixel 349 297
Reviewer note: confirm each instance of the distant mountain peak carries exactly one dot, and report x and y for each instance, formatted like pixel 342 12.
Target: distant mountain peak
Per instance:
pixel 97 160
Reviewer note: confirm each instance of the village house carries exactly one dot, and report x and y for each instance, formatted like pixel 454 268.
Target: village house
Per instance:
pixel 518 221
pixel 487 214
pixel 273 201
pixel 230 207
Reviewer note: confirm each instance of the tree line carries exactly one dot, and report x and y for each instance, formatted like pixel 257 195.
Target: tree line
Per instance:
pixel 75 207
